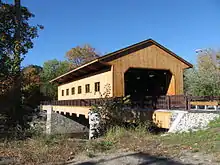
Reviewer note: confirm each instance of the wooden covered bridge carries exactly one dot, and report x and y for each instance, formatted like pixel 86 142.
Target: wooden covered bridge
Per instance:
pixel 149 73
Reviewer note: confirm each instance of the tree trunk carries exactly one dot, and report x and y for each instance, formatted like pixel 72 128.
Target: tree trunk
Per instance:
pixel 17 110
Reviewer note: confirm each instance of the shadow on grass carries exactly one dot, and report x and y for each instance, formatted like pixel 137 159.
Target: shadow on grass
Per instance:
pixel 153 129
pixel 134 158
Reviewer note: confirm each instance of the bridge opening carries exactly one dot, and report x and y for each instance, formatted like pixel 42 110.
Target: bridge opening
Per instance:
pixel 139 83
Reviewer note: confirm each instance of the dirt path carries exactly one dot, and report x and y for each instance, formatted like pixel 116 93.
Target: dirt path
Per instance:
pixel 138 158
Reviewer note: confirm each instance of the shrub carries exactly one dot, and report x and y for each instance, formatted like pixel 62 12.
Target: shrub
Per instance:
pixel 110 110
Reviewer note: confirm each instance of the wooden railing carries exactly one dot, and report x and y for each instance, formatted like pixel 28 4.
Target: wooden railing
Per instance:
pixel 167 102
pixel 77 102
pixel 174 102
pixel 204 98
pixel 161 102
pixel 205 102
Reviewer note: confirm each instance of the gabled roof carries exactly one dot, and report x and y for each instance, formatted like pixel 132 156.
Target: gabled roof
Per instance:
pixel 146 43
pixel 101 61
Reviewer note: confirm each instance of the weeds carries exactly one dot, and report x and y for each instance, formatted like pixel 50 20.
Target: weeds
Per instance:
pixel 43 149
pixel 197 141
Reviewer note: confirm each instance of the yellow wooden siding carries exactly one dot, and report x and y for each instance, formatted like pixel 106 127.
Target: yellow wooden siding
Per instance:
pixel 172 89
pixel 105 78
pixel 208 103
pixel 162 119
pixel 151 57
pixel 78 110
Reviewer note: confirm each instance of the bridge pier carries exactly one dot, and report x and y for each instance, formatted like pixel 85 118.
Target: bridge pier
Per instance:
pixel 48 122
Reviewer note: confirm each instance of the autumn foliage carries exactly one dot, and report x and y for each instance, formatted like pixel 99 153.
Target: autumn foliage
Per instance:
pixel 81 54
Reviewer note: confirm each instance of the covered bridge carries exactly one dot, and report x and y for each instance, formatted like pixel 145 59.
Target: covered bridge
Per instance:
pixel 140 70
pixel 143 69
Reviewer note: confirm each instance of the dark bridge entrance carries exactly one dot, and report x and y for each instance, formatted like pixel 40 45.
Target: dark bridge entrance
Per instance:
pixel 140 83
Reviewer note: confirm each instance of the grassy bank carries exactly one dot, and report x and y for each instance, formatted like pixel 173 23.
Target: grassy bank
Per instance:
pixel 41 149
pixel 207 141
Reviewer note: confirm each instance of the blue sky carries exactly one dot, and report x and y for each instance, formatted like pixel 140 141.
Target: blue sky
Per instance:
pixel 182 26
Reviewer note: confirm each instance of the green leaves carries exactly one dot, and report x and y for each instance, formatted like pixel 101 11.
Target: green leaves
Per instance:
pixel 204 79
pixel 9 46
pixel 52 69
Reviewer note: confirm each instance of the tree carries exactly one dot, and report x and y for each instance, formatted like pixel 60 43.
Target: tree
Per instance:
pixel 52 69
pixel 80 55
pixel 16 35
pixel 9 36
pixel 204 79
pixel 31 85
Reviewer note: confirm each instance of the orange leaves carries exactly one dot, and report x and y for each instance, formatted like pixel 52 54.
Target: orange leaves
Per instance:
pixel 31 76
pixel 81 54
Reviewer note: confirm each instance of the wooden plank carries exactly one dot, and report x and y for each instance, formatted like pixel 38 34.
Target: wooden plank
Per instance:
pixel 172 88
pixel 103 76
pixel 162 119
pixel 209 103
pixel 151 57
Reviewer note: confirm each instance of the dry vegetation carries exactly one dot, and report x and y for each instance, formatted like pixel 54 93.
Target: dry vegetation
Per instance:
pixel 40 150
pixel 60 149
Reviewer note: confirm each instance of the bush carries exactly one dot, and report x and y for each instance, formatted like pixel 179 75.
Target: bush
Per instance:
pixel 111 112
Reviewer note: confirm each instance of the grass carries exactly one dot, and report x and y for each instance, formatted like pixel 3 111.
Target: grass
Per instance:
pixel 207 141
pixel 138 139
pixel 127 139
pixel 42 149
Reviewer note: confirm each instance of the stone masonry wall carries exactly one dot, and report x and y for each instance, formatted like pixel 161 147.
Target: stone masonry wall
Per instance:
pixel 192 121
pixel 60 124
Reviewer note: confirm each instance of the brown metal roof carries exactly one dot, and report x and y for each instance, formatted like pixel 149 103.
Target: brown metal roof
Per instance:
pixel 100 62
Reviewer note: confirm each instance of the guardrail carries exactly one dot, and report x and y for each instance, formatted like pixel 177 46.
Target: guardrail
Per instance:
pixel 150 102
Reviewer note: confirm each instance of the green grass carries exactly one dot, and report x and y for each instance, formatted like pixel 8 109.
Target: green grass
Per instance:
pixel 42 149
pixel 207 141
pixel 138 139
pixel 215 123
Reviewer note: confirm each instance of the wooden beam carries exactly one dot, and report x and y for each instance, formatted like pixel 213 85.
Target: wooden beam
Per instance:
pixel 92 68
pixel 204 103
pixel 82 71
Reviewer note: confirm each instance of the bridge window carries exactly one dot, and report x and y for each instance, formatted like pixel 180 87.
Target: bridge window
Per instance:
pixel 87 88
pixel 79 89
pixel 97 86
pixel 62 92
pixel 73 91
pixel 67 92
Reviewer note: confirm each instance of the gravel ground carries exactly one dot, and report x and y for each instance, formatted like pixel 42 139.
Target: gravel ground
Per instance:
pixel 138 158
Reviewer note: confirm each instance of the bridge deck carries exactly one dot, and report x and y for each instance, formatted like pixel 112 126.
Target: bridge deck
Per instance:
pixel 159 111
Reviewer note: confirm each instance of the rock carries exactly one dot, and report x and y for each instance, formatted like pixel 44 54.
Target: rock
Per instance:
pixel 193 121
pixel 38 121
